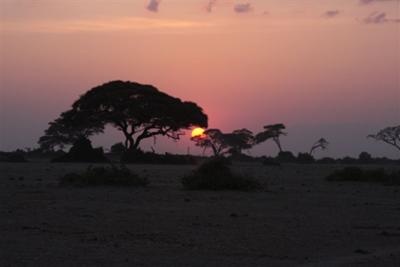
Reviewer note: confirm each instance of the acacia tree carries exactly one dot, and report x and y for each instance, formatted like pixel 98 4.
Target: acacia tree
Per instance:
pixel 321 143
pixel 273 131
pixel 214 139
pixel 225 143
pixel 389 135
pixel 239 140
pixel 138 111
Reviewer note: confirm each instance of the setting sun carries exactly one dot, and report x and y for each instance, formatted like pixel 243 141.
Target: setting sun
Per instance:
pixel 197 132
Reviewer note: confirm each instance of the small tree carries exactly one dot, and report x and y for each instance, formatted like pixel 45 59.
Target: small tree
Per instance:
pixel 389 135
pixel 225 143
pixel 321 143
pixel 273 131
pixel 239 140
pixel 214 139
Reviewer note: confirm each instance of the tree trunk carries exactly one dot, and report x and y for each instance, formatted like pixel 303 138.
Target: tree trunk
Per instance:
pixel 278 143
pixel 129 142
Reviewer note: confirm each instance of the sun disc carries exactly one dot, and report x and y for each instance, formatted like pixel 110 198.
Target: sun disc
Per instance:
pixel 197 132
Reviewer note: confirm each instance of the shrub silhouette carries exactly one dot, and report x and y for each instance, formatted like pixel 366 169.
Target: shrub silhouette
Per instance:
pixel 215 174
pixel 117 148
pixel 365 157
pixel 305 158
pixel 82 151
pixel 269 161
pixel 357 174
pixel 98 176
pixel 285 156
pixel 16 156
pixel 138 156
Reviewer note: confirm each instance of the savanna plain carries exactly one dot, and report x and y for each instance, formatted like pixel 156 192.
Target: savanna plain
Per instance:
pixel 298 218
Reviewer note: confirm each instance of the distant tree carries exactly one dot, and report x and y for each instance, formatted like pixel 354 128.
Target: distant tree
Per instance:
pixel 70 127
pixel 321 143
pixel 273 131
pixel 138 111
pixel 118 148
pixel 214 139
pixel 225 143
pixel 239 140
pixel 389 135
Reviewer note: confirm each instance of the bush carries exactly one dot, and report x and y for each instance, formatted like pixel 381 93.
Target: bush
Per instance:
pixel 327 160
pixel 285 157
pixel 113 175
pixel 118 148
pixel 138 156
pixel 365 158
pixel 215 174
pixel 358 175
pixel 16 156
pixel 305 158
pixel 82 151
pixel 268 161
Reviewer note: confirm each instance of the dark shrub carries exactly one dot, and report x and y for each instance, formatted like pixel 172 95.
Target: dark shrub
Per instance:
pixel 117 148
pixel 305 158
pixel 358 175
pixel 270 161
pixel 286 156
pixel 242 157
pixel 365 157
pixel 82 151
pixel 97 176
pixel 215 174
pixel 138 156
pixel 348 160
pixel 16 156
pixel 346 174
pixel 326 160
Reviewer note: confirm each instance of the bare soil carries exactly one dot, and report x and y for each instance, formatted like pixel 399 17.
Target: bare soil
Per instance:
pixel 299 219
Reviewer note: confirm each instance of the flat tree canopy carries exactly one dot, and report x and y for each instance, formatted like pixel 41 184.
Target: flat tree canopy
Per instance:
pixel 138 111
pixel 224 143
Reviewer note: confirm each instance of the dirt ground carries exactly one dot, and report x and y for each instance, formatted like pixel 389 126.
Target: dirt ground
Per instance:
pixel 299 219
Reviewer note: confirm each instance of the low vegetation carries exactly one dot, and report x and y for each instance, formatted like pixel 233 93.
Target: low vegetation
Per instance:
pixel 12 157
pixel 216 174
pixel 357 174
pixel 139 156
pixel 100 176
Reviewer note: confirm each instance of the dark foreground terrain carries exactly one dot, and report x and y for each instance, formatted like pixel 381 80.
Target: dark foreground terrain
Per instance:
pixel 300 219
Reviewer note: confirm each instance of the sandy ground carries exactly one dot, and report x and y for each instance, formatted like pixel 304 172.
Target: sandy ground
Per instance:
pixel 300 219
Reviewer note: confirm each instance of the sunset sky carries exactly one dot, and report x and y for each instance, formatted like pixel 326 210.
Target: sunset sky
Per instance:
pixel 323 68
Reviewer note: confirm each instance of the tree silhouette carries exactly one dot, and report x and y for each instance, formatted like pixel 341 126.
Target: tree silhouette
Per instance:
pixel 321 143
pixel 214 139
pixel 273 131
pixel 70 127
pixel 225 143
pixel 389 135
pixel 138 111
pixel 239 140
